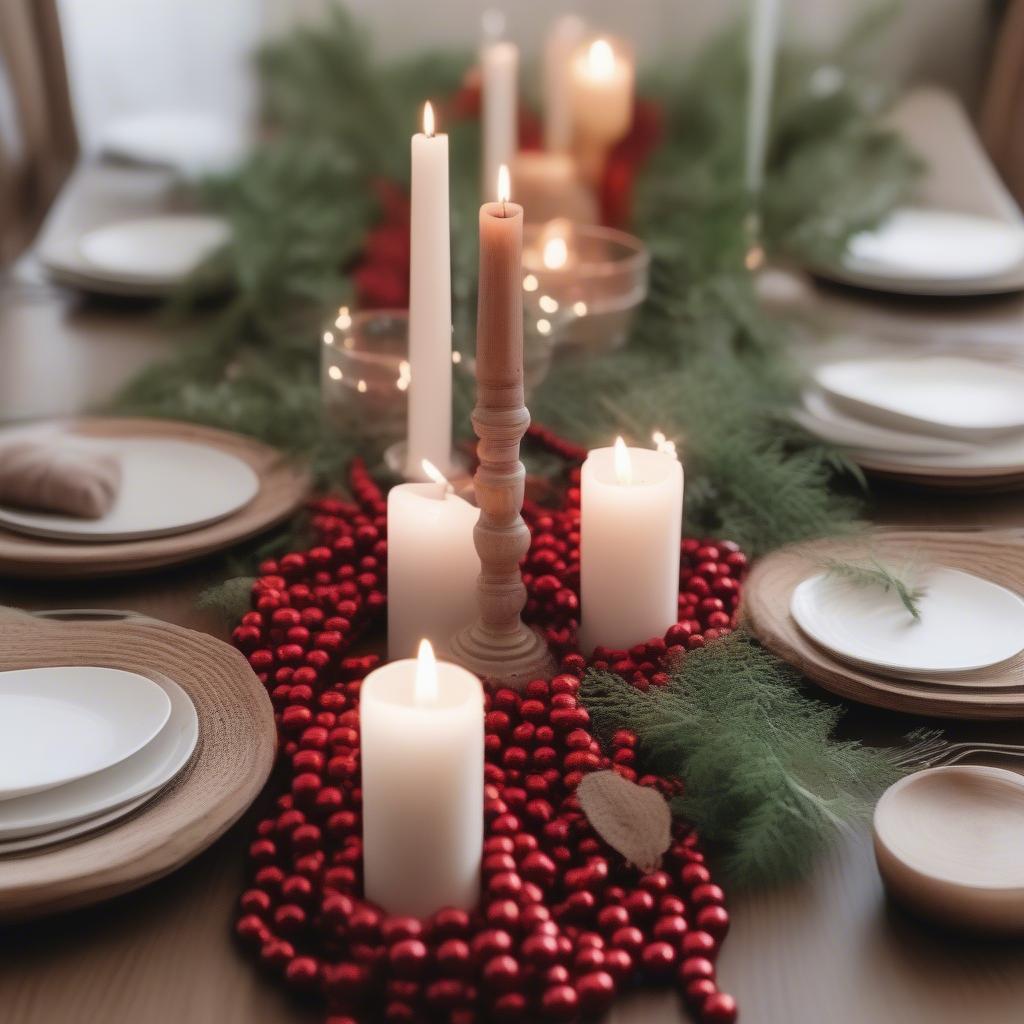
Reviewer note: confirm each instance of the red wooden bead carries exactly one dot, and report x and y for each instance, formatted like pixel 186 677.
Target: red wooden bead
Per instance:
pixel 718 1008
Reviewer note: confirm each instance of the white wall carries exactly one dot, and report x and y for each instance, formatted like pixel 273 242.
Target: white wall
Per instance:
pixel 126 56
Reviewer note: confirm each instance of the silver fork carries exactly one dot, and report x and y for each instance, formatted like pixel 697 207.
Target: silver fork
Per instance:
pixel 937 753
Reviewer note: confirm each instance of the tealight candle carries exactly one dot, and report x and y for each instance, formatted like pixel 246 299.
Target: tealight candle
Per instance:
pixel 499 72
pixel 631 520
pixel 422 736
pixel 432 564
pixel 429 381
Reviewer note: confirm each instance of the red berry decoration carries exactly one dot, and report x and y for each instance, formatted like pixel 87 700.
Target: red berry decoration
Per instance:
pixel 564 922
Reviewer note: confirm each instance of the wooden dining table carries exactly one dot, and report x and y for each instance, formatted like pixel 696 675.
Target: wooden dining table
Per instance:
pixel 830 948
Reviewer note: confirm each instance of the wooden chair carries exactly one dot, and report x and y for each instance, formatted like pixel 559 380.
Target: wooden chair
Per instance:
pixel 38 144
pixel 1002 113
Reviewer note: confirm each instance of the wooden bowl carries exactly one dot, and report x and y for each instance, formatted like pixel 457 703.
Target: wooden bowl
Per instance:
pixel 950 844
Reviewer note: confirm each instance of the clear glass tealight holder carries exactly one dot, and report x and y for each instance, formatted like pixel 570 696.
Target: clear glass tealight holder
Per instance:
pixel 592 277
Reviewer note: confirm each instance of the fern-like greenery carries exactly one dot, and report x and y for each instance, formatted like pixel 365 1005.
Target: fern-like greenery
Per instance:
pixel 767 782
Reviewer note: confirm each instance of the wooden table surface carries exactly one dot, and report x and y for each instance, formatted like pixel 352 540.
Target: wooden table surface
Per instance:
pixel 829 949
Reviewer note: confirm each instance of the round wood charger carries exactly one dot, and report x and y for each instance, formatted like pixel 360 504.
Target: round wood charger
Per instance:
pixel 283 487
pixel 226 772
pixel 765 610
pixel 976 480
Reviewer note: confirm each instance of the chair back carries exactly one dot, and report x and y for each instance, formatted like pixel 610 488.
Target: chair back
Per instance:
pixel 38 144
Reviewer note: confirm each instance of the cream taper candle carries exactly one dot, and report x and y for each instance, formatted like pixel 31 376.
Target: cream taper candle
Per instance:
pixel 499 71
pixel 565 36
pixel 430 305
pixel 631 519
pixel 432 564
pixel 762 44
pixel 422 741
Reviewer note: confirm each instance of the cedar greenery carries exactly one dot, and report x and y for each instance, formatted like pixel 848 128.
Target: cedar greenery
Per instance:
pixel 767 782
pixel 703 364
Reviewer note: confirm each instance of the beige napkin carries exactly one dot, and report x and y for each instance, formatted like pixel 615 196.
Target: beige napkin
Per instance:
pixel 59 474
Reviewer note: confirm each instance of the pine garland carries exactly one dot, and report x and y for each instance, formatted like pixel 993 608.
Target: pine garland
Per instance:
pixel 873 573
pixel 766 781
pixel 702 354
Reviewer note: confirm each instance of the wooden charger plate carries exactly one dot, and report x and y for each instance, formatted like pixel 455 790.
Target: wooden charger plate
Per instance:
pixel 227 770
pixel 976 480
pixel 769 588
pixel 283 487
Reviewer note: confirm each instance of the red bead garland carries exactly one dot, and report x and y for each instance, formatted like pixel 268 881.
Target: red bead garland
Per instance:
pixel 564 924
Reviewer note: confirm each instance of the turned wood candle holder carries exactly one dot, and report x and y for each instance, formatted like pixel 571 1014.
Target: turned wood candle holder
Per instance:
pixel 499 646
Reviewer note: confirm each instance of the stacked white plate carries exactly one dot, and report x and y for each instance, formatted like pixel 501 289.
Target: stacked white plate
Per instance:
pixel 932 416
pixel 167 487
pixel 966 625
pixel 146 257
pixel 919 251
pixel 81 747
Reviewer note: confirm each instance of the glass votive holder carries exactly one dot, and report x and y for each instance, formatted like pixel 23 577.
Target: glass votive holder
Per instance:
pixel 595 277
pixel 364 372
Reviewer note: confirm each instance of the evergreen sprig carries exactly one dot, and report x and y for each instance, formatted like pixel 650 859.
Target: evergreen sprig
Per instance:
pixel 873 573
pixel 767 782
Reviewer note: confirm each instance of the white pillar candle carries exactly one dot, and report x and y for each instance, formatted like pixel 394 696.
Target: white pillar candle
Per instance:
pixel 499 69
pixel 601 81
pixel 429 433
pixel 565 36
pixel 432 565
pixel 762 45
pixel 630 528
pixel 422 736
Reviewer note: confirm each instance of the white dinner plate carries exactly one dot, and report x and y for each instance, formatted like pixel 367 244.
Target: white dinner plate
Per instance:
pixel 967 623
pixel 937 245
pixel 131 779
pixel 190 142
pixel 950 396
pixel 159 251
pixel 62 724
pixel 167 487
pixel 823 419
pixel 80 828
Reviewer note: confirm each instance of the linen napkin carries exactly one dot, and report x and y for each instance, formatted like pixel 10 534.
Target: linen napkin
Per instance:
pixel 59 474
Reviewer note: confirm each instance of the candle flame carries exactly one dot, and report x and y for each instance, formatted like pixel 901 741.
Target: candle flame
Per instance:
pixel 434 474
pixel 504 184
pixel 425 686
pixel 601 59
pixel 428 119
pixel 623 463
pixel 556 253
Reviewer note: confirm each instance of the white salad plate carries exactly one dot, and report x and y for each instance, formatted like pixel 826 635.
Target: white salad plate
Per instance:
pixel 823 419
pixel 160 250
pixel 948 843
pixel 62 724
pixel 80 828
pixel 948 396
pixel 167 487
pixel 135 777
pixel 936 245
pixel 966 623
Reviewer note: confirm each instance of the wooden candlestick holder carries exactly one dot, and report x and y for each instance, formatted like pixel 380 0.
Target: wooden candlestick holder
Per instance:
pixel 499 646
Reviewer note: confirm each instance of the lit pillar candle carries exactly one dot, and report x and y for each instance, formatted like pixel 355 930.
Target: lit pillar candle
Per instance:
pixel 499 68
pixel 432 564
pixel 565 36
pixel 422 743
pixel 601 82
pixel 430 305
pixel 630 528
pixel 762 44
